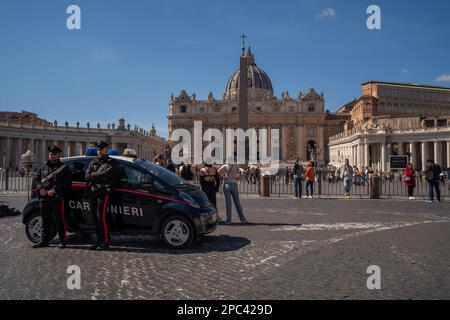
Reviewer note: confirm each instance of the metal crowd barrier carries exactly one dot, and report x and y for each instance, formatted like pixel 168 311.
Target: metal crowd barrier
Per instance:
pixel 326 187
pixel 15 181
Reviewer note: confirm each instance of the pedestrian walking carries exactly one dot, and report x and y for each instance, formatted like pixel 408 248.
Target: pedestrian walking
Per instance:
pixel 346 173
pixel 432 175
pixel 230 174
pixel 409 178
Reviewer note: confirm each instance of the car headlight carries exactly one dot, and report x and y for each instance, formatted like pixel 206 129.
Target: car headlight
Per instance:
pixel 189 200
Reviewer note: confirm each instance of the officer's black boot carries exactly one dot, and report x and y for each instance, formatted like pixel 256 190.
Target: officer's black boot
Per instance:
pixel 94 246
pixel 103 247
pixel 62 245
pixel 41 244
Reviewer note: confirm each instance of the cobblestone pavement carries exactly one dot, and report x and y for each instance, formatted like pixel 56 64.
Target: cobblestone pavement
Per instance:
pixel 293 249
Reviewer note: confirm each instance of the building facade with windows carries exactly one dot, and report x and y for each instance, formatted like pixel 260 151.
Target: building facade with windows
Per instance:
pixel 395 119
pixel 304 124
pixel 23 131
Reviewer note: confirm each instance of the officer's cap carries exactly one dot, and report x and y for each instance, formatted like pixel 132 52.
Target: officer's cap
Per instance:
pixel 54 149
pixel 101 145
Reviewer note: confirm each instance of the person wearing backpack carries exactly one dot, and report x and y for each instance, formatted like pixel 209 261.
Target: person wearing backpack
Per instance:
pixel 432 173
pixel 297 171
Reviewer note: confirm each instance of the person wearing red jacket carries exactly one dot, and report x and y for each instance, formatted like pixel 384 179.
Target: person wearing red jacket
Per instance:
pixel 409 177
pixel 310 176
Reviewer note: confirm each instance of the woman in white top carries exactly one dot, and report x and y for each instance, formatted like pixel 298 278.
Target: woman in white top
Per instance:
pixel 230 173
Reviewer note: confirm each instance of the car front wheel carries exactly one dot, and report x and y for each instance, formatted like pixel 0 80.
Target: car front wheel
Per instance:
pixel 33 228
pixel 177 232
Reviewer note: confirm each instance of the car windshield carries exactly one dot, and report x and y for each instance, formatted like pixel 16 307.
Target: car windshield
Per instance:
pixel 160 172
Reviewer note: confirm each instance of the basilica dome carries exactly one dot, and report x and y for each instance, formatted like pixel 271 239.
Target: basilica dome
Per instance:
pixel 259 84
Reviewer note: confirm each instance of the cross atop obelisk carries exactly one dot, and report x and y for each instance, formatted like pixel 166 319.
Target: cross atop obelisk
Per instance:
pixel 243 43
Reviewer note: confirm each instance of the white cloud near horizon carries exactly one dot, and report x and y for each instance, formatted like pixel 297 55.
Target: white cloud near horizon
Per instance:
pixel 443 78
pixel 326 13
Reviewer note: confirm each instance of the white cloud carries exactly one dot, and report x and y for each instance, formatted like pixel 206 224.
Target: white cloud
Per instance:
pixel 405 71
pixel 326 13
pixel 443 78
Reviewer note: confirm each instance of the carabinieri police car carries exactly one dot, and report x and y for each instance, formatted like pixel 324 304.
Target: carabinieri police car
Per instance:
pixel 147 199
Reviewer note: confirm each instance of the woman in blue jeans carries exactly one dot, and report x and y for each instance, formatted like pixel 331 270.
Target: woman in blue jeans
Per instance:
pixel 230 173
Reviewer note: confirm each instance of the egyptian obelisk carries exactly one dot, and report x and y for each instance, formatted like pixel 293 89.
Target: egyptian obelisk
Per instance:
pixel 243 94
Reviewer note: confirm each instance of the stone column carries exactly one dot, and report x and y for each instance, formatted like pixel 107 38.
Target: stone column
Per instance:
pixel 424 150
pixel 31 142
pixel 383 157
pixel 20 152
pixel 401 149
pixel 300 142
pixel 366 155
pixel 448 154
pixel 438 152
pixel 413 152
pixel 66 149
pixel 42 151
pixel 8 152
pixel 83 147
pixel 359 150
pixel 283 143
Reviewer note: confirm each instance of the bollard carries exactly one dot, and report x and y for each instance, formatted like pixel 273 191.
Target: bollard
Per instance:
pixel 265 185
pixel 374 187
pixel 319 182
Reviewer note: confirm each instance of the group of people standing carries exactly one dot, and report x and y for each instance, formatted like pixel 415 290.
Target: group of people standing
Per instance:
pixel 53 182
pixel 346 173
pixel 432 176
pixel 210 180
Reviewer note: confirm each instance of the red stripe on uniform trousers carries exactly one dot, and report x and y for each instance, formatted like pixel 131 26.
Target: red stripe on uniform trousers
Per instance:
pixel 105 227
pixel 63 220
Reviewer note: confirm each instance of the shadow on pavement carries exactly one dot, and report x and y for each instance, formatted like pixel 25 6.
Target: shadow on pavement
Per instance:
pixel 268 224
pixel 150 244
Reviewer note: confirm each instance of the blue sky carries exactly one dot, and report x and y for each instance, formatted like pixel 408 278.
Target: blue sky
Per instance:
pixel 130 56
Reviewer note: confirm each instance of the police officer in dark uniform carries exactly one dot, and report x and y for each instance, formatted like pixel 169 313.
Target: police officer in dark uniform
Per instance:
pixel 53 181
pixel 101 176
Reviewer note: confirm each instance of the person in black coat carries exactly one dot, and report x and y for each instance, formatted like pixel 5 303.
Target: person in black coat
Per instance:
pixel 101 177
pixel 53 181
pixel 432 175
